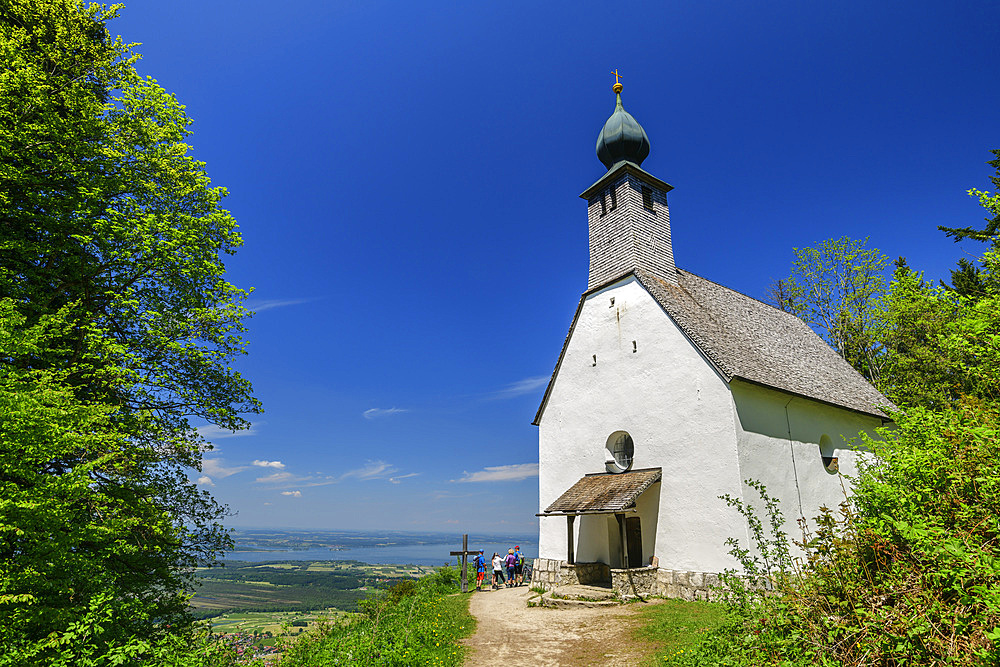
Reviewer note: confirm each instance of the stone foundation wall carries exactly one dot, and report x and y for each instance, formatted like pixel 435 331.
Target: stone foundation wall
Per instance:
pixel 687 585
pixel 640 580
pixel 545 573
pixel 548 573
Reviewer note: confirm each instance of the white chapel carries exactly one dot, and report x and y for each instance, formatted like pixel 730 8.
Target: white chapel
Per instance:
pixel 672 390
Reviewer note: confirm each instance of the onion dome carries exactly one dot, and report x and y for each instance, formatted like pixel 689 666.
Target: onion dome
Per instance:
pixel 622 138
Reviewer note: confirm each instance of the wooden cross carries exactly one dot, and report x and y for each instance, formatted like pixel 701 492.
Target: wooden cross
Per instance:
pixel 464 553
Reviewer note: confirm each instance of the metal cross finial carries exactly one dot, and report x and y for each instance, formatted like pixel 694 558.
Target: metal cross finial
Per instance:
pixel 618 84
pixel 616 76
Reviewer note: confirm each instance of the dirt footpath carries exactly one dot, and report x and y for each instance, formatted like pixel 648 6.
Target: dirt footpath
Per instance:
pixel 510 633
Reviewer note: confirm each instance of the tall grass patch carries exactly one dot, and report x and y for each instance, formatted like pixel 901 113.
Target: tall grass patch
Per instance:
pixel 412 623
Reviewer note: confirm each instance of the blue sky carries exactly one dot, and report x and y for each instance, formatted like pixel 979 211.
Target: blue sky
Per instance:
pixel 406 179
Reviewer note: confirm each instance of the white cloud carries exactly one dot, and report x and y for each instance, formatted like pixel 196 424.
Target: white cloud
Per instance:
pixel 509 473
pixel 319 481
pixel 269 464
pixel 522 387
pixel 260 305
pixel 375 413
pixel 212 432
pixel 371 470
pixel 217 468
pixel 293 494
pixel 205 480
pixel 276 478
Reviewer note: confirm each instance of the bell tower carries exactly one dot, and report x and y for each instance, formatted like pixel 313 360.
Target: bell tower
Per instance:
pixel 627 207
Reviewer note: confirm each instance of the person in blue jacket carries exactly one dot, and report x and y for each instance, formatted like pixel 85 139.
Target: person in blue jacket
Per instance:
pixel 480 570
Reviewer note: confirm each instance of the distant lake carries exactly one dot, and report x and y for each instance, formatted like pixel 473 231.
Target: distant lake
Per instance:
pixel 403 554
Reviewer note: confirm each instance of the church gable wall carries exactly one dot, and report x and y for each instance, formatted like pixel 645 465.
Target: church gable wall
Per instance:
pixel 649 380
pixel 782 440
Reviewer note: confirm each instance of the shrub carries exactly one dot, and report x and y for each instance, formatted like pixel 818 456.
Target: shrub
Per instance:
pixel 906 573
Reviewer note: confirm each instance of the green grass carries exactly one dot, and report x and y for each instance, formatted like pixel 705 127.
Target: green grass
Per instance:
pixel 675 625
pixel 411 623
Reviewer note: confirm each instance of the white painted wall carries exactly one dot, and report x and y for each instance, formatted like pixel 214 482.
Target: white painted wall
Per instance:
pixel 779 444
pixel 680 415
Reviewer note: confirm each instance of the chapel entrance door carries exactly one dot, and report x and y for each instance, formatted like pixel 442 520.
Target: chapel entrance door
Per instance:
pixel 633 538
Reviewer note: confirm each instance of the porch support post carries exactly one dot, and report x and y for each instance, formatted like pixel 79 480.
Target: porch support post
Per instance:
pixel 621 533
pixel 570 556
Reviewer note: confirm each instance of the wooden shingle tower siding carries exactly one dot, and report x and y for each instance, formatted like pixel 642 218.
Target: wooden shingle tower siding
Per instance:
pixel 635 234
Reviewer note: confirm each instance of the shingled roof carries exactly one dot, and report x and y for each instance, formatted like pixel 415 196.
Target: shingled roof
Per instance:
pixel 604 493
pixel 749 340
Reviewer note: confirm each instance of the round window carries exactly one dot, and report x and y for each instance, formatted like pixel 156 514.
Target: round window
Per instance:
pixel 621 447
pixel 828 455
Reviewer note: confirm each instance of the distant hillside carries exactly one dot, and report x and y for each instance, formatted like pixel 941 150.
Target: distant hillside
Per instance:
pixel 292 585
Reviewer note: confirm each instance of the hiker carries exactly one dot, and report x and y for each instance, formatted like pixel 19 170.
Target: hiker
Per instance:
pixel 509 561
pixel 497 570
pixel 518 565
pixel 480 570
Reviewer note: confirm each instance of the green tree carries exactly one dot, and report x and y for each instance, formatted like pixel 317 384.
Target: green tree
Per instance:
pixel 835 288
pixel 914 369
pixel 74 507
pixel 992 205
pixel 942 345
pixel 967 279
pixel 118 334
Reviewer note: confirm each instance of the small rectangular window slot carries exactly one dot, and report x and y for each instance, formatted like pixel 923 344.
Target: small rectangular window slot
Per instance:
pixel 614 199
pixel 595 361
pixel 634 347
pixel 604 204
pixel 647 198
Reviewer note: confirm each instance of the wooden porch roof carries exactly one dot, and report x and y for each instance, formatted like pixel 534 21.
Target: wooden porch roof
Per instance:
pixel 604 493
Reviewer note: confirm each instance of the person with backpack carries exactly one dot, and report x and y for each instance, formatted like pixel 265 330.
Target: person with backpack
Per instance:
pixel 518 566
pixel 480 570
pixel 509 561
